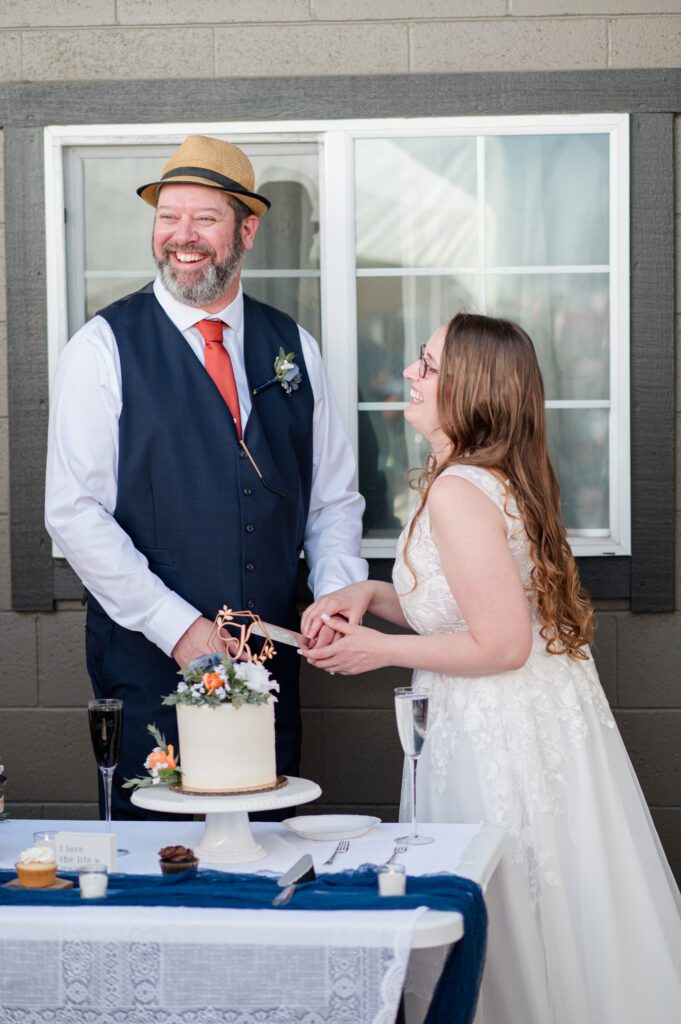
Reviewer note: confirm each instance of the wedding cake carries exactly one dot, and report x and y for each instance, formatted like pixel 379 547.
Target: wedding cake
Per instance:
pixel 225 722
pixel 227 749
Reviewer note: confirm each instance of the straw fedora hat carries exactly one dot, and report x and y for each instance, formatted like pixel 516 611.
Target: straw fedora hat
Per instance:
pixel 213 163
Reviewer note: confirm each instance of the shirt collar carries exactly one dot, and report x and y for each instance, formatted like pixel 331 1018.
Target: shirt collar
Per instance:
pixel 185 317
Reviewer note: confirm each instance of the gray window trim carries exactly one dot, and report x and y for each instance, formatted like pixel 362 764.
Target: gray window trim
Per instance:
pixel 646 579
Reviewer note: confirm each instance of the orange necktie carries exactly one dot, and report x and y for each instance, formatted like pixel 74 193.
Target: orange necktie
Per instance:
pixel 219 367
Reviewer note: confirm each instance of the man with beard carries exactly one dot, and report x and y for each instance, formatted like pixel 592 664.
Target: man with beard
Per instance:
pixel 183 473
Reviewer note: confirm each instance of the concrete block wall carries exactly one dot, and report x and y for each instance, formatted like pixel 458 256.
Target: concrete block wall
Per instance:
pixel 350 744
pixel 48 40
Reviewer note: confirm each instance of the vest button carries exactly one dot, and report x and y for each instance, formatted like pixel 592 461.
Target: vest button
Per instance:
pixel 242 454
pixel 250 527
pixel 249 567
pixel 250 605
pixel 248 492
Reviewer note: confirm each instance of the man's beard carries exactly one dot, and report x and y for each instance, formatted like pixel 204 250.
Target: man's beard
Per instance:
pixel 204 286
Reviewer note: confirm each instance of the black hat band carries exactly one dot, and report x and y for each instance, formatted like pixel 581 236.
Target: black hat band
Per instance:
pixel 220 179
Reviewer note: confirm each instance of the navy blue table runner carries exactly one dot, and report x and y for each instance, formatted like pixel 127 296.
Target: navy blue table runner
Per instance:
pixel 456 994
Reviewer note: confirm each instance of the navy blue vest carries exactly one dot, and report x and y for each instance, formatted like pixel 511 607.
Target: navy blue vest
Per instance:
pixel 211 527
pixel 188 496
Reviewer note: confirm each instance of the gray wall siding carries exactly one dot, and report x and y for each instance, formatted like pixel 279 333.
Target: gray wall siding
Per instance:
pixel 350 743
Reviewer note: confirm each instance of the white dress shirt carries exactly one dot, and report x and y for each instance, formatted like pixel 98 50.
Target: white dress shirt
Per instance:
pixel 82 476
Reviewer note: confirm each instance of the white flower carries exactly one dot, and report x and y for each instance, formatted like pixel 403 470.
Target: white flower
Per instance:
pixel 285 365
pixel 221 671
pixel 256 677
pixel 220 692
pixel 181 687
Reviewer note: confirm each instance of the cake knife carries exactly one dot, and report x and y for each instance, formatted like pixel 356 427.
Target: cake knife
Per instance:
pixel 278 634
pixel 302 871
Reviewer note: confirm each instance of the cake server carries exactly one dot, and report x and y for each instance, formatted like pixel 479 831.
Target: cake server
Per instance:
pixel 302 871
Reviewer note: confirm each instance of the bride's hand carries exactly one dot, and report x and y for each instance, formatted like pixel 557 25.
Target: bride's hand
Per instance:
pixel 358 650
pixel 350 602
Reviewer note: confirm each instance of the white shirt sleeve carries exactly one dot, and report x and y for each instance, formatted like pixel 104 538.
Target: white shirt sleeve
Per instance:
pixel 81 488
pixel 333 534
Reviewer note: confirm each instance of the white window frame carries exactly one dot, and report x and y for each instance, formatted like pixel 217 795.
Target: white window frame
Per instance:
pixel 337 255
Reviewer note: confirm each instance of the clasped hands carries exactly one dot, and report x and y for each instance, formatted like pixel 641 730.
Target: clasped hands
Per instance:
pixel 334 638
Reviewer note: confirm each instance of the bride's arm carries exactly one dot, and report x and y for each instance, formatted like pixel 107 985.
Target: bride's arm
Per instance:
pixel 469 532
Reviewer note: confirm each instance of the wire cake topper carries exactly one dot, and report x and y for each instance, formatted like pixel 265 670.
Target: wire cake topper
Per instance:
pixel 237 641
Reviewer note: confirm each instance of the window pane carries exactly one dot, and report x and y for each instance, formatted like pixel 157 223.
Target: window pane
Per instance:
pixel 416 202
pixel 297 296
pixel 101 291
pixel 388 447
pixel 578 441
pixel 568 318
pixel 396 314
pixel 288 236
pixel 117 223
pixel 547 200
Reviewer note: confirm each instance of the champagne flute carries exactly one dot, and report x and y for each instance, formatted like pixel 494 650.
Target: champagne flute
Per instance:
pixel 411 710
pixel 106 720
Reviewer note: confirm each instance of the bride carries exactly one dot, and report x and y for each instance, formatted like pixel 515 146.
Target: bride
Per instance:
pixel 585 917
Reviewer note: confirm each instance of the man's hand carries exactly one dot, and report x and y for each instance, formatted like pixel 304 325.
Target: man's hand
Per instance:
pixel 324 637
pixel 194 642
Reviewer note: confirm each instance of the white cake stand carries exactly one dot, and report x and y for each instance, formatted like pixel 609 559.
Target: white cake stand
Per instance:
pixel 227 837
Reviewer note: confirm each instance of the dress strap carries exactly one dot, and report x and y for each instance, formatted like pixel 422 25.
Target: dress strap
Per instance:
pixel 489 483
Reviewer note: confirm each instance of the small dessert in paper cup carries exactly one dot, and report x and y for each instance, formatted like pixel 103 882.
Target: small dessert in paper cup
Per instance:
pixel 36 867
pixel 177 858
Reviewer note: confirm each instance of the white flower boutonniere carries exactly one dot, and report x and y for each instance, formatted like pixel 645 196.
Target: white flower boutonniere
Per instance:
pixel 286 373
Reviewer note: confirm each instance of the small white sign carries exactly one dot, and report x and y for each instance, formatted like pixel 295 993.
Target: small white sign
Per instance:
pixel 71 849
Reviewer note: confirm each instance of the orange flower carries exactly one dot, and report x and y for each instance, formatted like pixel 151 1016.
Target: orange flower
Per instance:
pixel 160 760
pixel 212 681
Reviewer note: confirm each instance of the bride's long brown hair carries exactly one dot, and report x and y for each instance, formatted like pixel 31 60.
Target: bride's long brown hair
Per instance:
pixel 491 407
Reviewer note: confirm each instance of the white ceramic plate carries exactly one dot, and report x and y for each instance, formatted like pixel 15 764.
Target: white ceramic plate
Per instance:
pixel 330 827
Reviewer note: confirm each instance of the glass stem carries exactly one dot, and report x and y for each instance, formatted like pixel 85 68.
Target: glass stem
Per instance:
pixel 412 767
pixel 107 778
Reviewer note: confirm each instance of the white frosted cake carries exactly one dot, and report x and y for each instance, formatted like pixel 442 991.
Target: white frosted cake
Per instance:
pixel 227 749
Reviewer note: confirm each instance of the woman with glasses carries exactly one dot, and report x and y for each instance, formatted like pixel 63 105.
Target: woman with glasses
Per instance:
pixel 585 916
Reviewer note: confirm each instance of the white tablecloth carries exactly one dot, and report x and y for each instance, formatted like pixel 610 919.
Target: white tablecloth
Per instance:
pixel 129 965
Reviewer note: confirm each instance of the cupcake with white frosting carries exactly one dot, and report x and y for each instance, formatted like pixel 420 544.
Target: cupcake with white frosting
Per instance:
pixel 36 867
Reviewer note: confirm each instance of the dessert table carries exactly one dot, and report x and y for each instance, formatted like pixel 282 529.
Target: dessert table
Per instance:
pixel 176 965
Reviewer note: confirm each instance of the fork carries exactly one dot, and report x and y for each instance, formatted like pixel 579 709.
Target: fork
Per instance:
pixel 400 848
pixel 342 847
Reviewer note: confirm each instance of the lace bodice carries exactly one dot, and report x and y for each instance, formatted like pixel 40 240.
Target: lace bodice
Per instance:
pixel 430 607
pixel 525 725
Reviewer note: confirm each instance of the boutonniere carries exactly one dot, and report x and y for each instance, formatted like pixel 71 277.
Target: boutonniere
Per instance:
pixel 286 373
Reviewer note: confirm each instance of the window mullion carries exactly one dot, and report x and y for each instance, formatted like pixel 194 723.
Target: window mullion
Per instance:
pixel 339 292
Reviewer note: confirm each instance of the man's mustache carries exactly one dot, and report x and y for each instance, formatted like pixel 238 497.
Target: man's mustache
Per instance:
pixel 204 250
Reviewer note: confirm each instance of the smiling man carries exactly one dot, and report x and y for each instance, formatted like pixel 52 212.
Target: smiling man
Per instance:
pixel 176 481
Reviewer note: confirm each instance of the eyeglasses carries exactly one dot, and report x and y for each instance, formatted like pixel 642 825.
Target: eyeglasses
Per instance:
pixel 424 366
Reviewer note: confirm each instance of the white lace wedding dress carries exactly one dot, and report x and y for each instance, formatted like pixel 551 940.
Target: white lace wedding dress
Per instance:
pixel 584 913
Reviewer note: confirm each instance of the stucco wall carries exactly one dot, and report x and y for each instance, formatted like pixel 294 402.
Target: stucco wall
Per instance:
pixel 350 742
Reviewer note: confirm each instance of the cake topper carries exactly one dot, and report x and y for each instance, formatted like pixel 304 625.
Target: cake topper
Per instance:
pixel 238 645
